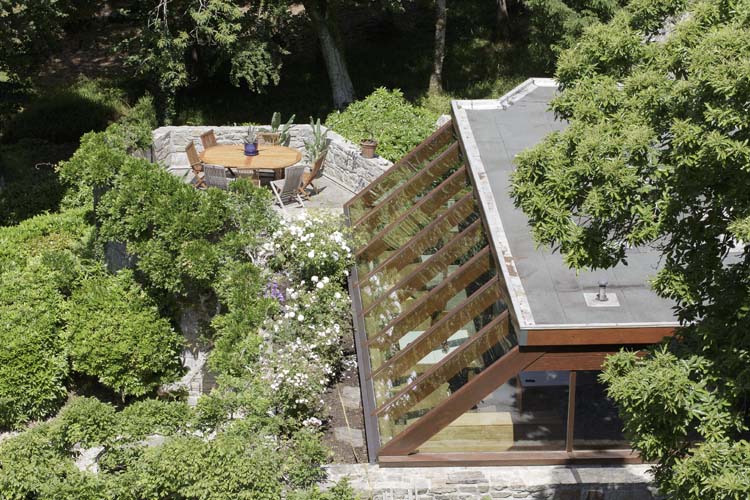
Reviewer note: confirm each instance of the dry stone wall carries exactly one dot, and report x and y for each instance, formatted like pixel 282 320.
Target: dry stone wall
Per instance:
pixel 625 482
pixel 344 163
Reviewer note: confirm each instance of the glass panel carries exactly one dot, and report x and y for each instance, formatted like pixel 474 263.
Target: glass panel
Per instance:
pixel 447 367
pixel 434 273
pixel 527 413
pixel 400 173
pixel 429 239
pixel 402 199
pixel 597 424
pixel 417 216
pixel 404 316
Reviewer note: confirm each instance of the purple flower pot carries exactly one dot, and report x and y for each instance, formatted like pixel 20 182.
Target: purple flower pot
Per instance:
pixel 251 149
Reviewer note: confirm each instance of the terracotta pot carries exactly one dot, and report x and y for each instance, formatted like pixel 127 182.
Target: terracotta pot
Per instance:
pixel 368 148
pixel 269 137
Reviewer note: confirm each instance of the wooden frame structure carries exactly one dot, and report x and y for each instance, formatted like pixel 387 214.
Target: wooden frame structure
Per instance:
pixel 435 329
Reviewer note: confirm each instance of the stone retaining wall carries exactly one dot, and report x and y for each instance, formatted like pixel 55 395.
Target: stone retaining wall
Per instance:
pixel 626 482
pixel 344 163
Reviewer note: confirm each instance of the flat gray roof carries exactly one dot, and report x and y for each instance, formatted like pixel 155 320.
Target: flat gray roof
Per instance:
pixel 544 291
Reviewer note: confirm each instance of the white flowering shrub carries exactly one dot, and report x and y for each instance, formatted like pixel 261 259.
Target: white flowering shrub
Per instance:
pixel 306 345
pixel 312 246
pixel 290 357
pixel 297 377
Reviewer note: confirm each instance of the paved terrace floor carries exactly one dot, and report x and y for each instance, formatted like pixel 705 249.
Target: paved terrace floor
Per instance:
pixel 330 198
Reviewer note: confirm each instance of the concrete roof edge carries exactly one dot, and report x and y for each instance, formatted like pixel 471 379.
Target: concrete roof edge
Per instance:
pixel 498 239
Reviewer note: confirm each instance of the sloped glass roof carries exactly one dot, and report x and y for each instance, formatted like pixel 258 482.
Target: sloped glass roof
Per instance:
pixel 433 305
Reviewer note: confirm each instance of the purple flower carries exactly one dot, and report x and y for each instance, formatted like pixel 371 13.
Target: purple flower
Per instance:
pixel 273 291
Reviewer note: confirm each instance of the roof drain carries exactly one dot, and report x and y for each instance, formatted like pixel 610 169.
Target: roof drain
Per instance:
pixel 602 295
pixel 602 298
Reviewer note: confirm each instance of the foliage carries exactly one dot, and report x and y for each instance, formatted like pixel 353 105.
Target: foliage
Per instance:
pixel 656 154
pixel 340 491
pixel 101 155
pixel 33 366
pixel 87 422
pixel 167 224
pixel 307 247
pixel 302 467
pixel 114 333
pixel 319 143
pixel 34 465
pixel 31 30
pixel 397 125
pixel 555 25
pixel 240 287
pixel 65 115
pixel 152 416
pixel 31 184
pixel 189 467
pixel 45 132
pixel 37 269
pixel 182 39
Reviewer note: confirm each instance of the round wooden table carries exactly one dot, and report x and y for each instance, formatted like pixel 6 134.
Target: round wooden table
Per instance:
pixel 232 156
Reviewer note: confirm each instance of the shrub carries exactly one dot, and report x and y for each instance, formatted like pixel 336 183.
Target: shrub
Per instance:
pixel 386 115
pixel 101 155
pixel 31 184
pixel 152 416
pixel 115 334
pixel 226 468
pixel 64 116
pixel 556 25
pixel 36 269
pixel 35 465
pixel 168 225
pixel 311 246
pixel 87 421
pixel 302 467
pixel 33 366
pixel 241 288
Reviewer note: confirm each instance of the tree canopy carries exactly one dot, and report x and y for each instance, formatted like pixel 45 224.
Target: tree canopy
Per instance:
pixel 658 153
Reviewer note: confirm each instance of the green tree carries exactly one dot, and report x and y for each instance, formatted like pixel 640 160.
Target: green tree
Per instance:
pixel 555 25
pixel 657 153
pixel 32 29
pixel 183 40
pixel 114 333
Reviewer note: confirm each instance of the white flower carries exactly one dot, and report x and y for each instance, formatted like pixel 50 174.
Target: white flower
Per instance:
pixel 337 295
pixel 311 254
pixel 320 285
pixel 314 279
pixel 300 317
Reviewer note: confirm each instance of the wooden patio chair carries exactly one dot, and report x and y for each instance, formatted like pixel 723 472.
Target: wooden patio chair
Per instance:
pixel 208 139
pixel 316 171
pixel 217 176
pixel 196 165
pixel 287 189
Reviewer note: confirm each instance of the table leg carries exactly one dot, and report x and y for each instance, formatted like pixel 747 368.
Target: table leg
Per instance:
pixel 278 173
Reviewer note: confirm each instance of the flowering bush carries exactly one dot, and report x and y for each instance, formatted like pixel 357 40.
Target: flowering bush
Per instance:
pixel 311 246
pixel 306 346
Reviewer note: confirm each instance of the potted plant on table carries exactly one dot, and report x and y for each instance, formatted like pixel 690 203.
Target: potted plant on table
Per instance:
pixel 251 141
pixel 368 145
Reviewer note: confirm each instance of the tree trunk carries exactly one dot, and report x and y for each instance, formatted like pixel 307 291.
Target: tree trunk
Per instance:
pixel 338 74
pixel 436 78
pixel 503 20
